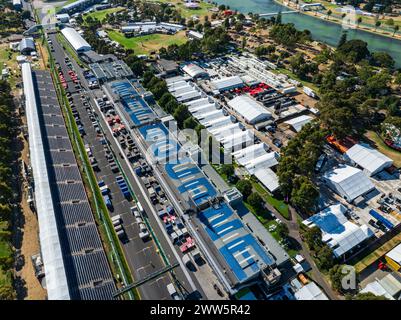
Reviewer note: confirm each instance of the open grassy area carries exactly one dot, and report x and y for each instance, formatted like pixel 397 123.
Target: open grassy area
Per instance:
pixel 279 205
pixel 148 43
pixel 383 148
pixel 8 60
pixel 204 8
pixel 101 14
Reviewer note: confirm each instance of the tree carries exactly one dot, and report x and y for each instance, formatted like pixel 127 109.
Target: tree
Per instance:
pixel 180 114
pixel 245 187
pixel 354 50
pixel 377 24
pixel 390 22
pixel 282 230
pixel 368 296
pixel 358 21
pixel 26 14
pixel 7 292
pixel 304 194
pixel 395 28
pixel 190 123
pixel 343 39
pixel 336 277
pixel 227 169
pixel 325 258
pixel 278 18
pixel 313 238
pixel 329 13
pixel 255 200
pixel 238 26
pixel 383 59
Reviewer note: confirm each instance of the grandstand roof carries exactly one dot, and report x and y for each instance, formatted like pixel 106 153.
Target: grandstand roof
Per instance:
pixel 249 109
pixel 368 158
pixel 56 279
pixel 75 39
pixel 337 231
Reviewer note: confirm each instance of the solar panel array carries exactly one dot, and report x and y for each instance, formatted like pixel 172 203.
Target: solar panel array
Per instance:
pixel 88 272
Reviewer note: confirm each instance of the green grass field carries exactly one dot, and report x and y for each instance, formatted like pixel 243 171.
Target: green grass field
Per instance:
pixel 279 205
pixel 383 148
pixel 148 43
pixel 203 10
pixel 100 15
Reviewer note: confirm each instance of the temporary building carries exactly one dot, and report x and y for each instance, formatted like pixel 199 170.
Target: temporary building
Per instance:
pixel 310 291
pixel 249 109
pixel 266 160
pixel 338 232
pixel 194 71
pixel 369 159
pixel 268 178
pixel 75 39
pixel 389 286
pixel 298 122
pixel 26 46
pixel 348 182
pixel 227 83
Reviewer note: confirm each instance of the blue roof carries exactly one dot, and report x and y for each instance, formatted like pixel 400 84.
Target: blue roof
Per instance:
pixel 244 256
pixel 242 252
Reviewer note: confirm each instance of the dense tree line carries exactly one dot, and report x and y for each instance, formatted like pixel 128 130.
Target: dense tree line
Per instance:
pixel 7 133
pixel 11 20
pixel 288 36
pixel 215 41
pixel 296 166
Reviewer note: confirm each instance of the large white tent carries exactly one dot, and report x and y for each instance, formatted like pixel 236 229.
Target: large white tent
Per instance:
pixel 75 39
pixel 298 122
pixel 348 182
pixel 371 160
pixel 249 109
pixel 338 232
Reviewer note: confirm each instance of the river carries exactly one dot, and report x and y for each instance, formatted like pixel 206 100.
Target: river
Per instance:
pixel 322 30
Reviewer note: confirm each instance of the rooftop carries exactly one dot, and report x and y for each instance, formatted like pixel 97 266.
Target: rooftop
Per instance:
pixel 337 231
pixel 250 109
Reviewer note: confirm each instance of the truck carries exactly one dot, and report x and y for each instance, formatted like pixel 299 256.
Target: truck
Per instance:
pixel 173 292
pixel 309 92
pixel 144 233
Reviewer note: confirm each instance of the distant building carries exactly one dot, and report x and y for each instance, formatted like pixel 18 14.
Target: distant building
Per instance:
pixel 63 17
pixel 191 34
pixel 348 182
pixel 27 46
pixel 228 83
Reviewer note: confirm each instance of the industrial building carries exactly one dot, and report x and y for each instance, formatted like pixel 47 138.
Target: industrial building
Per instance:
pixel 338 232
pixel 76 41
pixel 348 182
pixel 75 264
pixel 194 71
pixel 298 122
pixel 393 258
pixel 228 83
pixel 26 46
pixel 249 109
pixel 108 70
pixel 369 159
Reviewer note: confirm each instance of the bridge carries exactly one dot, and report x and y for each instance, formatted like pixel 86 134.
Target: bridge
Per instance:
pixel 269 14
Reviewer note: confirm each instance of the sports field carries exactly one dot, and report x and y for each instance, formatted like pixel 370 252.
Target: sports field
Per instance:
pixel 148 43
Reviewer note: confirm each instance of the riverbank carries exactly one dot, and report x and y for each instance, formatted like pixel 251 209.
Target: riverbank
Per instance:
pixel 324 16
